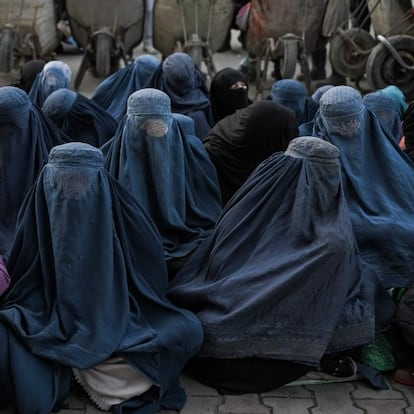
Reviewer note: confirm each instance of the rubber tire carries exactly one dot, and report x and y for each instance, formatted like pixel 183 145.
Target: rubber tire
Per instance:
pixel 383 70
pixel 341 53
pixel 6 51
pixel 289 60
pixel 103 54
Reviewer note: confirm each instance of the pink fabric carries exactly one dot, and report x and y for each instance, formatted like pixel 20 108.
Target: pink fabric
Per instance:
pixel 4 277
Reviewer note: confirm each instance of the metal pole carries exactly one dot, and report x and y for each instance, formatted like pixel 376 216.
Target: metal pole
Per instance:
pixel 183 20
pixel 196 16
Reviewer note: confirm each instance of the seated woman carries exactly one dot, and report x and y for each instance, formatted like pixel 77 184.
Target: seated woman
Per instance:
pixel 54 75
pixel 241 141
pixel 167 171
pixel 180 78
pixel 386 110
pixel 262 284
pixel 398 97
pixel 113 92
pixel 26 137
pixel 79 117
pixel 379 184
pixel 87 297
pixel 229 91
pixel 292 94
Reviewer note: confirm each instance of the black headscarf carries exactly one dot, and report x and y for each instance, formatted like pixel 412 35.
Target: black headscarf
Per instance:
pixel 28 73
pixel 239 142
pixel 224 100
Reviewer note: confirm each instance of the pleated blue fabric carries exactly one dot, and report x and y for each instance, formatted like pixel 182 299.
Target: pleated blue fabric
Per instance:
pixel 263 283
pixel 26 137
pixel 113 92
pixel 88 282
pixel 167 171
pixel 79 117
pixel 55 74
pixel 378 180
pixel 180 78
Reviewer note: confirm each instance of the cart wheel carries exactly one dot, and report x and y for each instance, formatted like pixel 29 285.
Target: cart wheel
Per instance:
pixel 289 59
pixel 6 50
pixel 104 43
pixel 347 58
pixel 383 70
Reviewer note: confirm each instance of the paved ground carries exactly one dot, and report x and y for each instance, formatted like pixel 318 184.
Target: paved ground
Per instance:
pixel 355 397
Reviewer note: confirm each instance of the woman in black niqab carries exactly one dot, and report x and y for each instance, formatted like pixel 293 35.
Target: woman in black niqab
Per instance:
pixel 241 141
pixel 229 91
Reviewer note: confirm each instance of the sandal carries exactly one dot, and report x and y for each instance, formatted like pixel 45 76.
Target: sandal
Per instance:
pixel 339 367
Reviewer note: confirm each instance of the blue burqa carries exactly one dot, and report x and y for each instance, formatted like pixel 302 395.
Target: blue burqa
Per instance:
pixel 180 78
pixel 386 109
pixel 88 283
pixel 26 136
pixel 306 128
pixel 167 171
pixel 292 94
pixel 79 118
pixel 379 184
pixel 263 284
pixel 54 75
pixel 113 92
pixel 185 122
